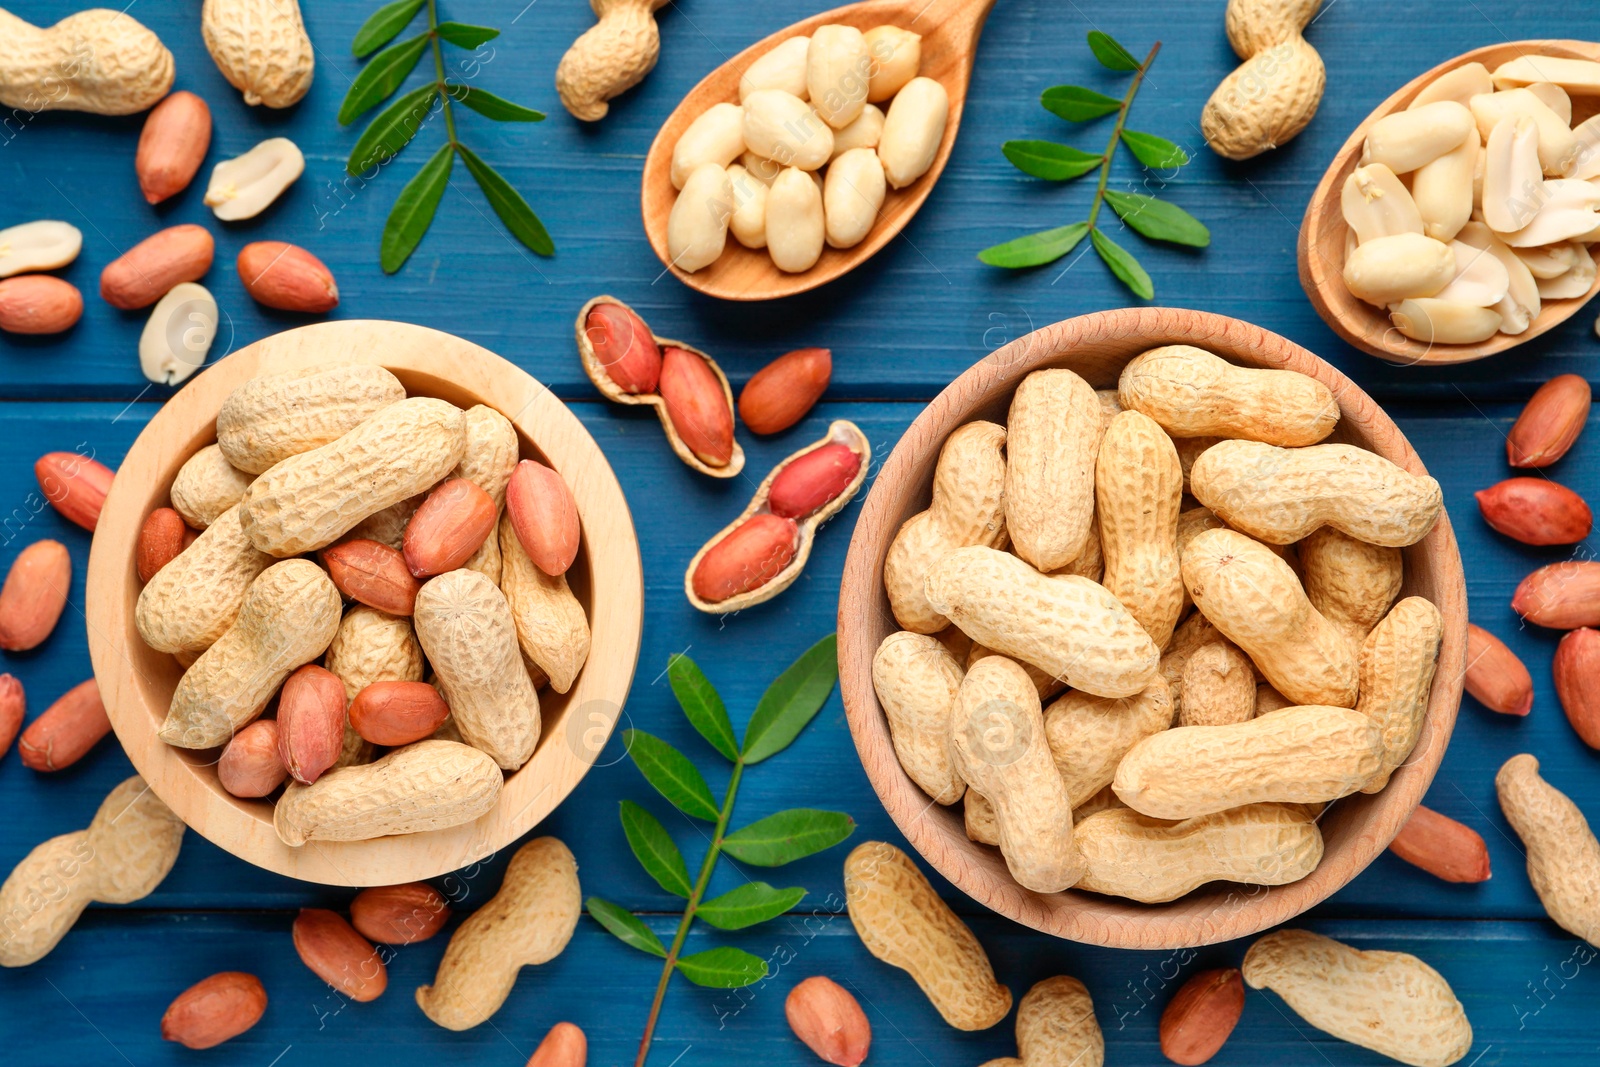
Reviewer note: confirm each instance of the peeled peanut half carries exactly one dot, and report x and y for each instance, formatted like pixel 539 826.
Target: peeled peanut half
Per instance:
pixel 1548 261
pixel 1386 270
pixel 1521 304
pixel 1585 161
pixel 1406 140
pixel 1443 322
pixel 1575 282
pixel 243 187
pixel 1556 141
pixel 36 246
pixel 1570 209
pixel 1460 85
pixel 1376 204
pixel 1480 279
pixel 1555 98
pixel 178 335
pixel 1578 76
pixel 1513 181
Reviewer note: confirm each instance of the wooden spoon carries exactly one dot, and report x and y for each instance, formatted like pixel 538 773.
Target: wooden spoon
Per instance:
pixel 949 29
pixel 1322 234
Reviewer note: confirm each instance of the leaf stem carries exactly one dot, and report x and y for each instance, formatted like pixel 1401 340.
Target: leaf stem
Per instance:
pixel 1116 133
pixel 706 867
pixel 444 93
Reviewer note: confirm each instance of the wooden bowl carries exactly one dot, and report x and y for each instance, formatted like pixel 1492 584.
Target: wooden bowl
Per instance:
pixel 1097 346
pixel 1322 233
pixel 136 682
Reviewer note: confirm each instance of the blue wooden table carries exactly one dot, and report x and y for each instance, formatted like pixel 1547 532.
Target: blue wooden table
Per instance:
pixel 900 329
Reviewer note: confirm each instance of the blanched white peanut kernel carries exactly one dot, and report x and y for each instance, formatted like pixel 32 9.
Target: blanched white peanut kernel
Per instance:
pixel 760 168
pixel 1555 98
pixel 1585 161
pixel 1575 282
pixel 1405 140
pixel 697 228
pixel 1570 209
pixel 1579 76
pixel 913 130
pixel 1460 85
pixel 864 132
pixel 837 70
pixel 749 220
pixel 1386 270
pixel 794 221
pixel 896 56
pixel 1548 261
pixel 1479 280
pixel 1442 189
pixel 784 128
pixel 782 68
pixel 1513 181
pixel 1556 142
pixel 1375 204
pixel 178 334
pixel 1441 322
pixel 34 246
pixel 852 194
pixel 716 136
pixel 244 187
pixel 1521 304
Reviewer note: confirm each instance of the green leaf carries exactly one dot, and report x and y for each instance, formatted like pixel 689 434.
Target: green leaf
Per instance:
pixel 753 903
pixel 1155 152
pixel 1159 220
pixel 1123 265
pixel 654 850
pixel 625 926
pixel 392 130
pixel 413 210
pixel 702 704
pixel 673 776
pixel 382 75
pixel 723 968
pixel 1046 159
pixel 1111 54
pixel 383 24
pixel 1036 248
pixel 792 700
pixel 491 106
pixel 1077 104
pixel 464 35
pixel 788 836
pixel 508 204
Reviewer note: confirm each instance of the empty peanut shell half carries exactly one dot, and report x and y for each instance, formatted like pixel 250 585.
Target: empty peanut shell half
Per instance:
pixel 762 552
pixel 631 365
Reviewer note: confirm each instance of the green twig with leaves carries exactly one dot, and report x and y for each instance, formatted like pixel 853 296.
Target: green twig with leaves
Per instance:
pixel 398 123
pixel 783 711
pixel 1153 218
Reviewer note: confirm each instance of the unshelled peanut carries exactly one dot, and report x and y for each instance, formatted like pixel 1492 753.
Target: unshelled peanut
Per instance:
pixel 1397 667
pixel 274 416
pixel 551 626
pixel 917 679
pixel 1193 393
pixel 1563 854
pixel 1053 436
pixel 1056 1025
pixel 1138 492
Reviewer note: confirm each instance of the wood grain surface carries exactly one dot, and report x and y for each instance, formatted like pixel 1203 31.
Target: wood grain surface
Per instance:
pixel 902 327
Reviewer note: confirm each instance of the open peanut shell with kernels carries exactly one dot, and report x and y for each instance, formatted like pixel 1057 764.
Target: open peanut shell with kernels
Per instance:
pixel 760 554
pixel 630 364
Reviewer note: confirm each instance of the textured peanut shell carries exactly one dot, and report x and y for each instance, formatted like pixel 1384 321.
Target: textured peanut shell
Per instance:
pixel 1255 600
pixel 129 847
pixel 902 921
pixel 387 527
pixel 1193 393
pixel 261 47
pixel 1268 99
pixel 1269 700
pixel 609 57
pixel 491 454
pixel 1138 494
pixel 1089 735
pixel 916 679
pixel 309 500
pixel 968 508
pixel 1127 854
pixel 527 923
pixel 192 601
pixel 425 786
pixel 370 646
pixel 1091 562
pixel 1219 686
pixel 551 628
pixel 1046 685
pixel 982 827
pixel 1189 449
pixel 1563 855
pixel 1280 495
pixel 1069 627
pixel 466 629
pixel 1390 1002
pixel 1397 666
pixel 997 740
pixel 288 618
pixel 1301 755
pixel 1056 1025
pixel 1191 635
pixel 1052 436
pixel 1349 581
pixel 101 60
pixel 206 486
pixel 275 416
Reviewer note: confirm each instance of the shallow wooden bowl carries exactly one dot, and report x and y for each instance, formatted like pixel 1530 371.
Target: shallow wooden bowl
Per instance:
pixel 1097 346
pixel 137 682
pixel 1322 233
